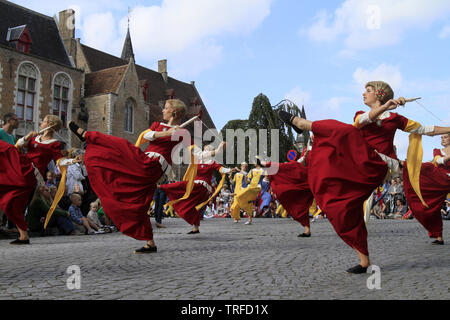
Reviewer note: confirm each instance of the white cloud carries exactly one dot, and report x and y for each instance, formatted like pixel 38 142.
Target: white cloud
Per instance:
pixel 185 31
pixel 298 96
pixel 365 24
pixel 99 30
pixel 386 73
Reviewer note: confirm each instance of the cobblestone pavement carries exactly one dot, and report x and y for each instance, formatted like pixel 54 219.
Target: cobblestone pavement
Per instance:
pixel 229 261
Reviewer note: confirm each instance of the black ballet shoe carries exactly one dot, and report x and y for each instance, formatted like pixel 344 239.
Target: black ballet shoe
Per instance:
pixel 438 242
pixel 74 128
pixel 146 250
pixel 193 232
pixel 287 118
pixel 20 242
pixel 304 235
pixel 357 269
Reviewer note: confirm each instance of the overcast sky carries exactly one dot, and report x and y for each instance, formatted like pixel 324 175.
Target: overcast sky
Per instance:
pixel 316 53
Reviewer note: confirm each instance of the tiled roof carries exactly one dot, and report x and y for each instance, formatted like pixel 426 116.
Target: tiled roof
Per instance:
pixel 98 60
pixel 43 31
pixel 104 81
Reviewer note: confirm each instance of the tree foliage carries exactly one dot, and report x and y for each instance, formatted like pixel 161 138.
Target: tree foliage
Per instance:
pixel 265 116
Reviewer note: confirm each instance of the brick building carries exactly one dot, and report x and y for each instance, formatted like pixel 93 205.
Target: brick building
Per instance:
pixel 37 76
pixel 44 70
pixel 122 97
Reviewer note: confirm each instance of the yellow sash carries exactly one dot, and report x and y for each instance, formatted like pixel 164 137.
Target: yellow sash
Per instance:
pixel 59 193
pixel 140 141
pixel 189 176
pixel 414 163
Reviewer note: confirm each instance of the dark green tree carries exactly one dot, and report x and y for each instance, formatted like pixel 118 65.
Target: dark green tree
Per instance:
pixel 265 116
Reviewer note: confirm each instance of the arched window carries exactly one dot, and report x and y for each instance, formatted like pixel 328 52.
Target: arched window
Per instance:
pixel 61 90
pixel 129 116
pixel 26 92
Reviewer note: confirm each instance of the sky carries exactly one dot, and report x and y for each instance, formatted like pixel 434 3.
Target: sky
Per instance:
pixel 318 54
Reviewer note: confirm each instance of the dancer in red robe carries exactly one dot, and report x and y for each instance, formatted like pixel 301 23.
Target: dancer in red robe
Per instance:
pixel 20 172
pixel 348 162
pixel 125 178
pixel 434 187
pixel 190 209
pixel 290 186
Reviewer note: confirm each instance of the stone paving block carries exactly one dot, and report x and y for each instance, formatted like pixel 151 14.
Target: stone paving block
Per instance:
pixel 222 262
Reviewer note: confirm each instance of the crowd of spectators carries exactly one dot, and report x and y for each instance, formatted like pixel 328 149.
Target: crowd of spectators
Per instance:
pixel 78 212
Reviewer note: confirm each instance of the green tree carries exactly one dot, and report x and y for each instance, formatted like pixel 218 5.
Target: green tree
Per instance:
pixel 265 116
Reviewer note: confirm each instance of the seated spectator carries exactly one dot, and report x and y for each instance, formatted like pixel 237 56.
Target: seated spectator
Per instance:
pixel 51 179
pixel 408 214
pixel 77 217
pixel 221 210
pixel 445 212
pixel 104 219
pixel 37 212
pixel 400 209
pixel 93 215
pixel 379 210
pixel 209 210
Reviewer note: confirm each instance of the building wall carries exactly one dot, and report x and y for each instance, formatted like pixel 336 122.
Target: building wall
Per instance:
pixel 129 89
pixel 98 108
pixel 10 61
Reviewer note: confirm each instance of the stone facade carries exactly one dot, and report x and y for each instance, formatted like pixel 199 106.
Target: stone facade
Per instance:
pixel 11 61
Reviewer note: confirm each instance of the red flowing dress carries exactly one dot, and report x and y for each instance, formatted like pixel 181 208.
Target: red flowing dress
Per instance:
pixel 17 175
pixel 124 177
pixel 17 182
pixel 344 169
pixel 290 186
pixel 434 186
pixel 200 193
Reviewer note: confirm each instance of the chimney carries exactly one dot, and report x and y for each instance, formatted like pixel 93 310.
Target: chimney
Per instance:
pixel 162 68
pixel 66 24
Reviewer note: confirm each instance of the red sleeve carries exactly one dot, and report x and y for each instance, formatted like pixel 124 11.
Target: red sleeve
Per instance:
pixel 217 166
pixel 56 149
pixel 402 122
pixel 358 114
pixel 154 126
pixel 437 153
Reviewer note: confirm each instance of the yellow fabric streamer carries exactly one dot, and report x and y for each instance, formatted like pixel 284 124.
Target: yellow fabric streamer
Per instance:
pixel 189 176
pixel 140 141
pixel 414 163
pixel 222 181
pixel 59 192
pixel 317 213
pixel 435 160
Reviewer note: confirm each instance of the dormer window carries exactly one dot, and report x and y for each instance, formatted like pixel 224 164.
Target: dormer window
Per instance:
pixel 20 37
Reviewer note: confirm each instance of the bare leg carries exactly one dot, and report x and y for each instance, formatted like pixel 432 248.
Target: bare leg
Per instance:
pixel 302 123
pixel 23 235
pixel 364 260
pixel 307 230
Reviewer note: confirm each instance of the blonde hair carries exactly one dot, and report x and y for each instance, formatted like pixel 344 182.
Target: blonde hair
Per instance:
pixel 179 107
pixel 54 121
pixel 383 91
